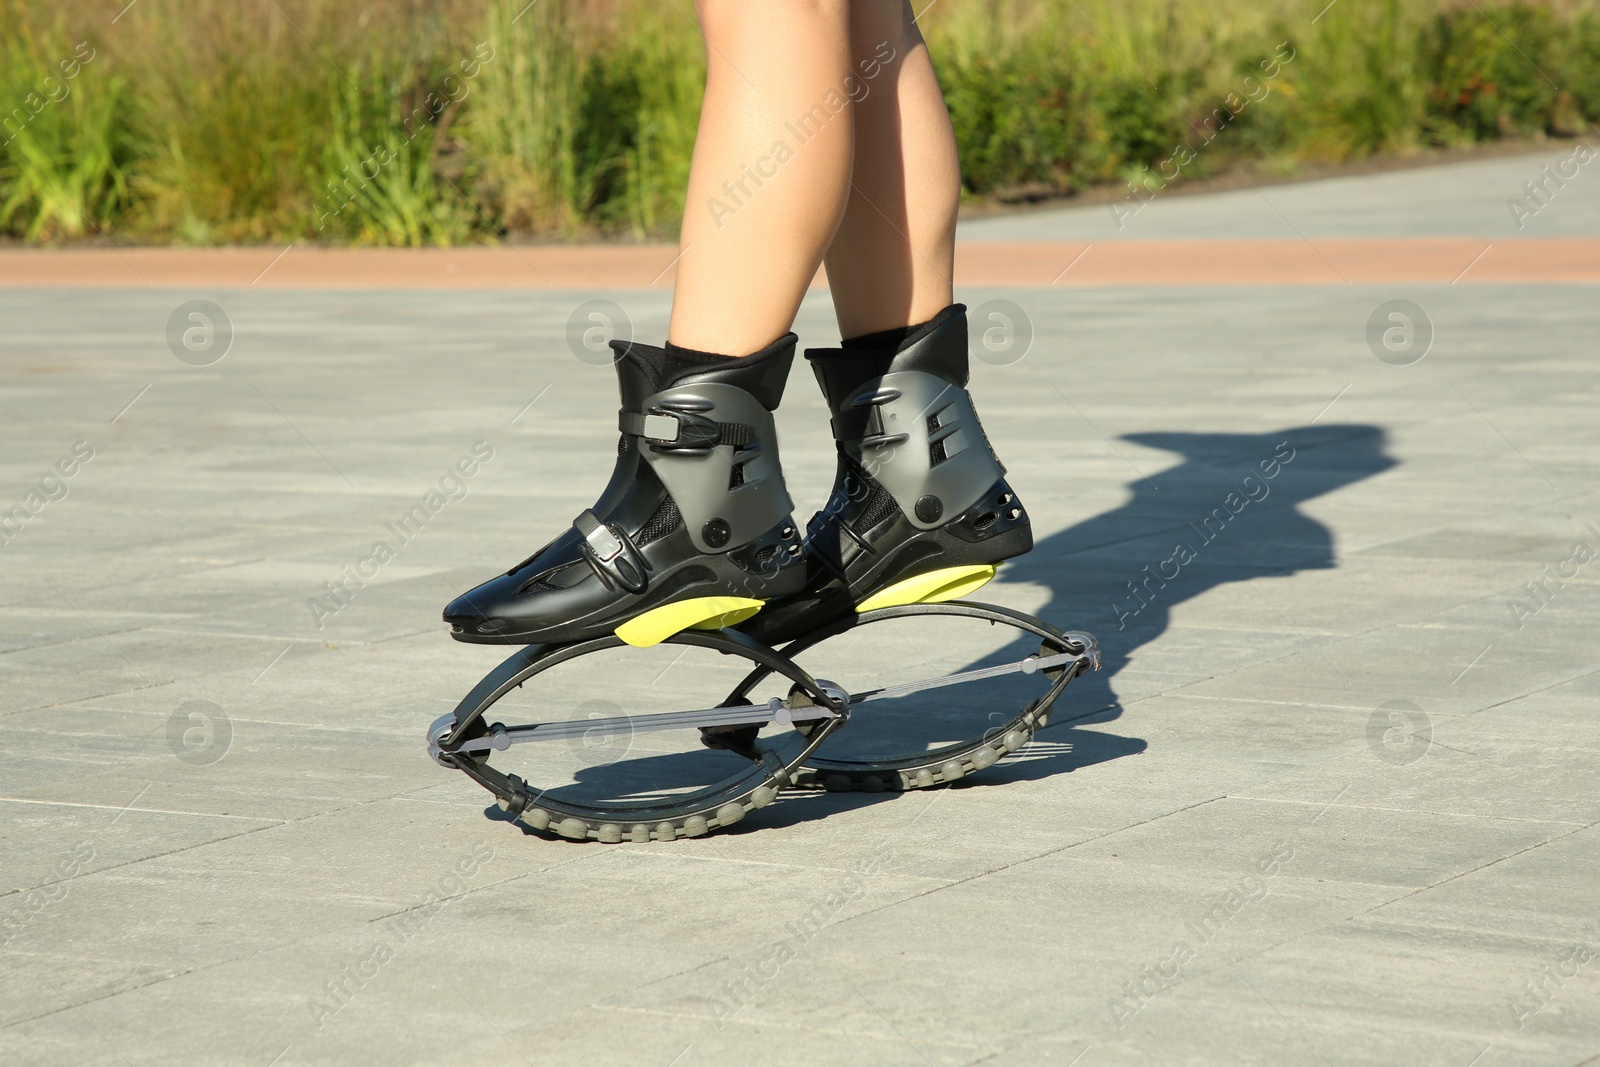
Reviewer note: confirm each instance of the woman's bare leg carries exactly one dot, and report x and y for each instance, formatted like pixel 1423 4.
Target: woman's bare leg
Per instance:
pixel 891 259
pixel 770 172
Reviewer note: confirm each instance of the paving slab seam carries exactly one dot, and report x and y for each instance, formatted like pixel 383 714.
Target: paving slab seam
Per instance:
pixel 99 696
pixel 1407 811
pixel 76 1005
pixel 365 735
pixel 1288 771
pixel 1487 514
pixel 1223 967
pixel 234 959
pixel 428 904
pixel 1028 859
pixel 1534 692
pixel 1328 704
pixel 778 1024
pixel 310 642
pixel 119 866
pixel 1329 926
pixel 1534 939
pixel 452 802
pixel 736 861
pixel 272 821
pixel 1491 863
pixel 8 799
pixel 1177 690
pixel 174 631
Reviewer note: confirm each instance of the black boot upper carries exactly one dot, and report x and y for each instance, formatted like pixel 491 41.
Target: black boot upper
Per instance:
pixel 696 506
pixel 918 487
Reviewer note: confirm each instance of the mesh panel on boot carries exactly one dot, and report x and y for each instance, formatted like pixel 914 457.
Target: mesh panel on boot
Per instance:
pixel 880 505
pixel 664 521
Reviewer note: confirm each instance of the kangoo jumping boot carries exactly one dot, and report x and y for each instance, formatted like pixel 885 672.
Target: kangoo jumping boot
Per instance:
pixel 693 530
pixel 920 509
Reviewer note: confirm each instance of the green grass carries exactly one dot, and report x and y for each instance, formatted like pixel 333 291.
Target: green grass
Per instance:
pixel 64 163
pixel 210 121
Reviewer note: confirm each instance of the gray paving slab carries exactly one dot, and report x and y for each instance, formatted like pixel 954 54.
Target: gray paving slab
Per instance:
pixel 1447 200
pixel 1339 671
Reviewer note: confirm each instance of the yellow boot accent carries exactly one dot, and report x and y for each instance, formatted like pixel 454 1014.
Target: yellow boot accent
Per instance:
pixel 699 613
pixel 931 588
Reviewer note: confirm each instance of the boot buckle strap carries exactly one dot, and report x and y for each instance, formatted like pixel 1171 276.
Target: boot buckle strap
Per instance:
pixel 675 430
pixel 612 553
pixel 605 545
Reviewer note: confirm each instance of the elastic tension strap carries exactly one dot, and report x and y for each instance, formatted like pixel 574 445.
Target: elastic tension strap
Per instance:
pixel 681 429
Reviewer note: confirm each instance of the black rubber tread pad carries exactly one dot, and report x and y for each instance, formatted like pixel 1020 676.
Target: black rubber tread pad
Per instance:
pixel 612 822
pixel 950 763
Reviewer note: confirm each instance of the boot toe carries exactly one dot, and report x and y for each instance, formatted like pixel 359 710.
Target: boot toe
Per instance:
pixel 497 611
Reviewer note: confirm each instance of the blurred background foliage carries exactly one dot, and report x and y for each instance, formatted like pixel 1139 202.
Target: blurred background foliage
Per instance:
pixel 434 122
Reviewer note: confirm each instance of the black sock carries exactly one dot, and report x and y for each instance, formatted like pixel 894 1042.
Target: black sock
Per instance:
pixel 901 337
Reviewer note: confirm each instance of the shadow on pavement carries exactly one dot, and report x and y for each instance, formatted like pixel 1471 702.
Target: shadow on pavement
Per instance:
pixel 1229 512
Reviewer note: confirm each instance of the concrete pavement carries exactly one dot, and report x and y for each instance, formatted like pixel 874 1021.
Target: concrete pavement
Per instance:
pixel 1332 801
pixel 1472 199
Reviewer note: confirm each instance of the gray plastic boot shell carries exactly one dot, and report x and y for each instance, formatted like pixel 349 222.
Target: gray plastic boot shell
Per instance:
pixel 700 479
pixel 901 457
pixel 906 418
